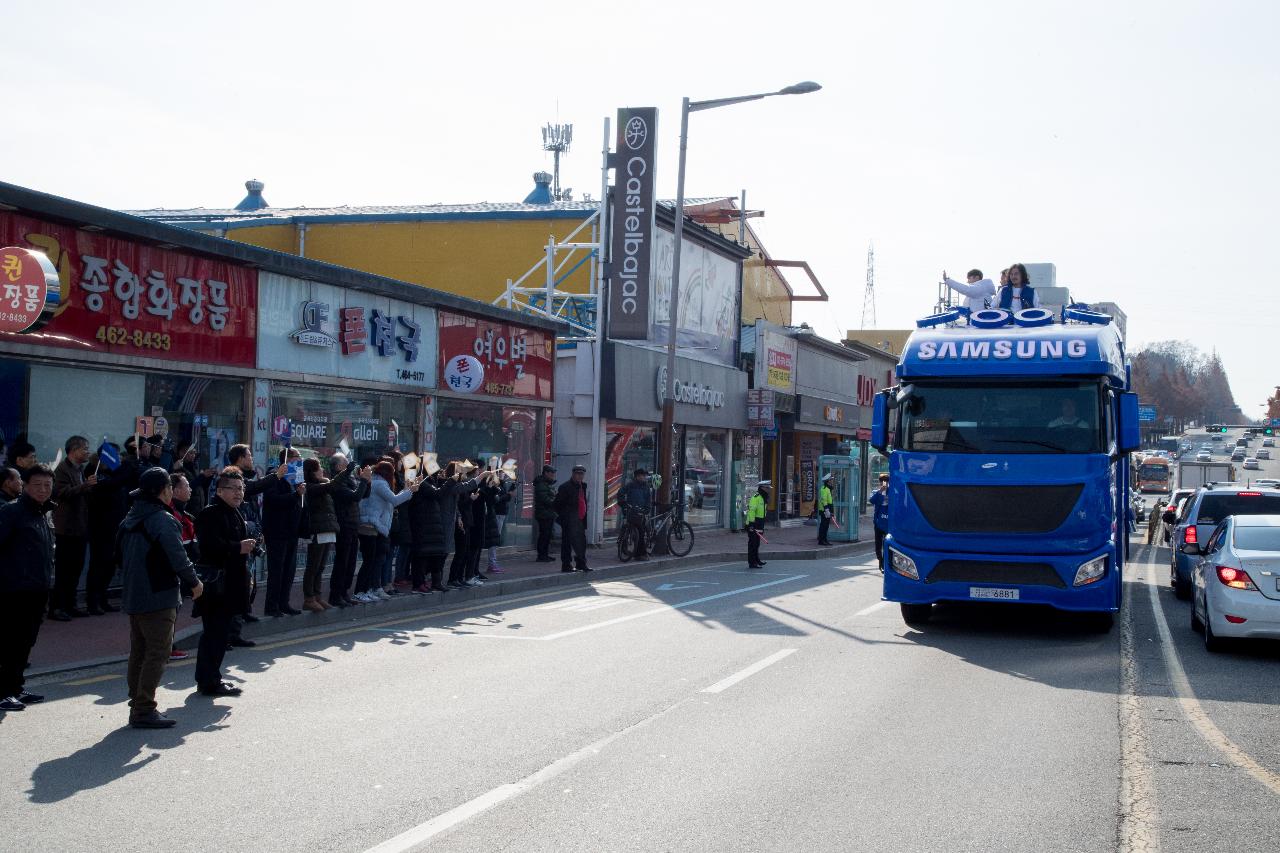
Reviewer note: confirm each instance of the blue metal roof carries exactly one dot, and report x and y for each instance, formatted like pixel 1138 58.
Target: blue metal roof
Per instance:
pixel 1012 351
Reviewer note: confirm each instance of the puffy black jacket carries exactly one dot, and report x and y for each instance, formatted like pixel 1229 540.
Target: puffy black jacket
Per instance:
pixel 281 510
pixel 636 496
pixel 544 499
pixel 489 497
pixel 422 514
pixel 319 505
pixel 26 546
pixel 346 499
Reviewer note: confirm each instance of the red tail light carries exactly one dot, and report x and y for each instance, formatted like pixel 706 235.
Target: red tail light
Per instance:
pixel 1189 536
pixel 1249 494
pixel 1235 578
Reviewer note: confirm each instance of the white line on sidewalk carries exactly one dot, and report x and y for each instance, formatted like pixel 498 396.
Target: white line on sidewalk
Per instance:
pixel 725 684
pixel 867 611
pixel 669 608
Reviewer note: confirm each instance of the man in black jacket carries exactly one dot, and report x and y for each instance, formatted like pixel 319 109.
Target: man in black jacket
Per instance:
pixel 281 513
pixel 26 557
pixel 346 502
pixel 571 507
pixel 544 511
pixel 636 501
pixel 241 456
pixel 225 546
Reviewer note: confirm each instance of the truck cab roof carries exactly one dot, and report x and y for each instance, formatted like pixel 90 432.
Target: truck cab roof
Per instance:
pixel 1057 350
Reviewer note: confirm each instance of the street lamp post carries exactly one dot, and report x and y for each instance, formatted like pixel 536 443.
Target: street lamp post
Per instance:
pixel 666 460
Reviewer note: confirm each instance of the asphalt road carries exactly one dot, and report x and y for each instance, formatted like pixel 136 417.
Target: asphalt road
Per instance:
pixel 708 708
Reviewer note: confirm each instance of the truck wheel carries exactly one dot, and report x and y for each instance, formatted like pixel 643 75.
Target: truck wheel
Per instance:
pixel 917 614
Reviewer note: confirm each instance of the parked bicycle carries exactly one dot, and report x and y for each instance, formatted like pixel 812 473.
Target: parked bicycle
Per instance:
pixel 676 532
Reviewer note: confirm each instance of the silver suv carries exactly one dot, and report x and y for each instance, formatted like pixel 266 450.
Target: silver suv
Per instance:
pixel 1202 514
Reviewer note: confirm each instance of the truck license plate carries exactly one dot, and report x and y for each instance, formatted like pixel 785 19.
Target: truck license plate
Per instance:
pixel 988 592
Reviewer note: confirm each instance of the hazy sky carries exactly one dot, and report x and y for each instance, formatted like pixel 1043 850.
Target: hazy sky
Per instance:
pixel 1134 144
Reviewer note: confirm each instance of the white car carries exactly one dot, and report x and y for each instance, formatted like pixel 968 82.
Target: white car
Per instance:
pixel 1268 442
pixel 1264 454
pixel 1236 583
pixel 1250 464
pixel 1204 456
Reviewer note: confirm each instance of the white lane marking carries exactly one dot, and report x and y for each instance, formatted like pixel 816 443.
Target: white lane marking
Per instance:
pixel 440 632
pixel 1139 830
pixel 867 611
pixel 726 683
pixel 596 604
pixel 668 608
pixel 424 832
pixel 567 603
pixel 686 585
pixel 1191 705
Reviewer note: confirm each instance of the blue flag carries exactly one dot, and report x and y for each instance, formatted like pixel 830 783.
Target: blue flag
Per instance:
pixel 108 456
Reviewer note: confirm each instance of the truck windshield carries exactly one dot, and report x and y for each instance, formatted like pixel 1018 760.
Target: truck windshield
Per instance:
pixel 1004 418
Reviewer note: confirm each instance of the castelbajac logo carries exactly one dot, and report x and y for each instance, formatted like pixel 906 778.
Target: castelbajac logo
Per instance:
pixel 688 392
pixel 315 316
pixel 637 133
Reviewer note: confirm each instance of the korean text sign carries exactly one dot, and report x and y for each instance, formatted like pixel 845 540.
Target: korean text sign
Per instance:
pixel 129 298
pixel 517 361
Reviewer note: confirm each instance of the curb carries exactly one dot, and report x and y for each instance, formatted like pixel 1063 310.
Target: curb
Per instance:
pixel 308 623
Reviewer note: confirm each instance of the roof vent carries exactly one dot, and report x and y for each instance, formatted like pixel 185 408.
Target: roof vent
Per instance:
pixel 254 200
pixel 542 192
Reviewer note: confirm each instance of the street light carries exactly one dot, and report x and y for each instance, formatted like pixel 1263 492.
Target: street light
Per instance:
pixel 665 449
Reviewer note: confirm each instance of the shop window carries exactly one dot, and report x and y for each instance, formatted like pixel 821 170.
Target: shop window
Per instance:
pixel 321 419
pixel 704 481
pixel 627 447
pixel 488 432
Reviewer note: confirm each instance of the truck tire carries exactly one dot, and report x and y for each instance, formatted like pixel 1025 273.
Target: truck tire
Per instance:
pixel 917 614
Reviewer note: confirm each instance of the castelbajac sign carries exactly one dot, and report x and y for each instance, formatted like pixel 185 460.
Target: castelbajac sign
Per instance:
pixel 124 297
pixel 632 224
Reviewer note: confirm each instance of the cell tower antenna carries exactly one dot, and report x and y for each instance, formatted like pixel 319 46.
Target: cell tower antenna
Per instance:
pixel 557 138
pixel 869 296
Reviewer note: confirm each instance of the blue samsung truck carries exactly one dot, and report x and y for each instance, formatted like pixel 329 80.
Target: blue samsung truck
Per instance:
pixel 1008 438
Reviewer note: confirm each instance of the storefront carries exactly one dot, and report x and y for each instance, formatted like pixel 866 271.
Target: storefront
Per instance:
pixel 147 339
pixel 494 402
pixel 710 407
pixel 347 369
pixel 824 427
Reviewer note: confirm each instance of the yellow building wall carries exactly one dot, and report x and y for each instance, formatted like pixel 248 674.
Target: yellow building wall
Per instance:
pixel 469 257
pixel 764 294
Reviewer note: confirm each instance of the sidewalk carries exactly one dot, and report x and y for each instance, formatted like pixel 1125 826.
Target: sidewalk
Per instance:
pixel 97 640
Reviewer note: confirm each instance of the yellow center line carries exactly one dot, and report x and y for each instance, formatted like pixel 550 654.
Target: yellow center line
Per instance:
pixel 79 682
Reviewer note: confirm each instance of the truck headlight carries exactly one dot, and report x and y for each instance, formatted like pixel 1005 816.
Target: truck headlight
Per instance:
pixel 1091 572
pixel 903 565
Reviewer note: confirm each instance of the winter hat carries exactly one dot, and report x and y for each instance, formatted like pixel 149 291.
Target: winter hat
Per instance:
pixel 152 482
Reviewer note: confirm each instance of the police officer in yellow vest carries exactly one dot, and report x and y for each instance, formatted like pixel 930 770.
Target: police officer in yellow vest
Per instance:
pixel 756 508
pixel 826 509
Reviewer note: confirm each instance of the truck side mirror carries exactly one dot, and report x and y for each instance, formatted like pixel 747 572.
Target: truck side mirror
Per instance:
pixel 879 422
pixel 1130 438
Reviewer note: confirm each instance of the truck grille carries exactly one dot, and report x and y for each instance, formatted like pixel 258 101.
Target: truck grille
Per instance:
pixel 995 509
pixel 985 571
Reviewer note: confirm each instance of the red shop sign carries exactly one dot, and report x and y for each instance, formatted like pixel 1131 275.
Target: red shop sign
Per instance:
pixel 129 298
pixel 518 361
pixel 29 289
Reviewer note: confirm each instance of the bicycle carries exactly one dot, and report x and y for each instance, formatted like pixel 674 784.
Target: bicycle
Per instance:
pixel 678 535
